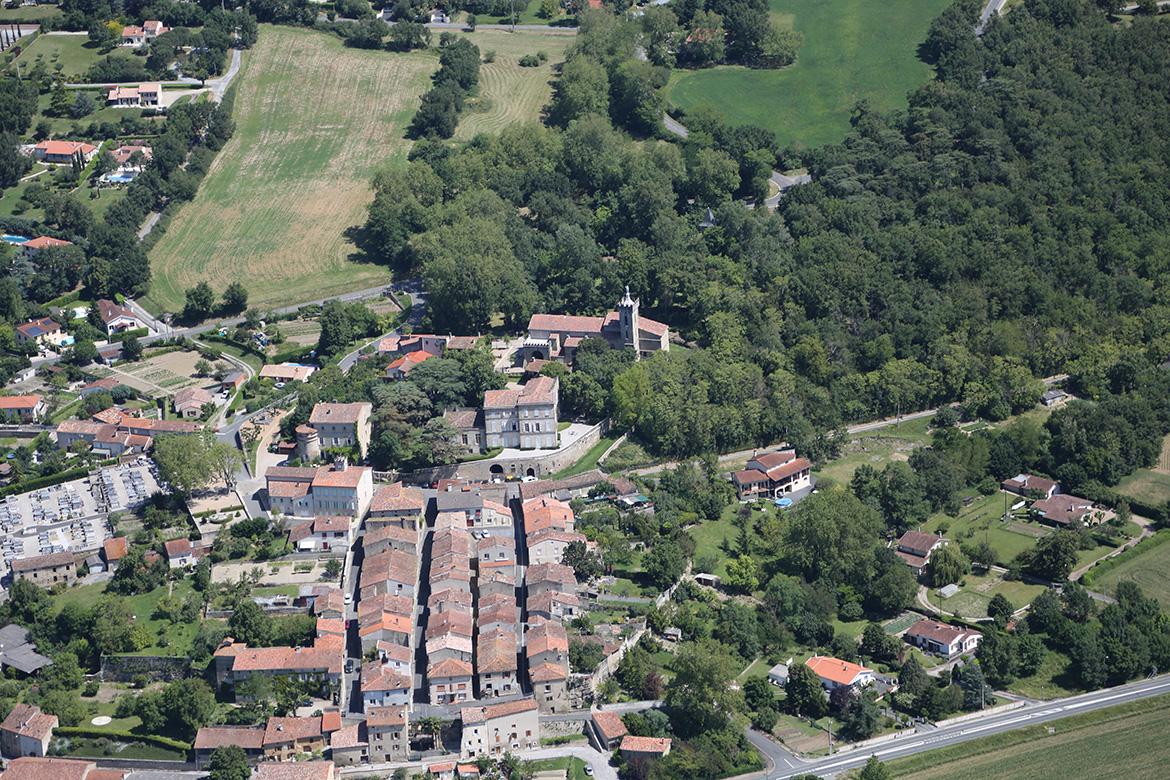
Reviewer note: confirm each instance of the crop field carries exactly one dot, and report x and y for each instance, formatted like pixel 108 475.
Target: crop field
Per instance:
pixel 158 376
pixel 1114 742
pixel 313 121
pixel 508 93
pixel 853 50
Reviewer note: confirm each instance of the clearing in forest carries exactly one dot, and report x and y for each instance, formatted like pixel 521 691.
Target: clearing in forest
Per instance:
pixel 853 50
pixel 314 119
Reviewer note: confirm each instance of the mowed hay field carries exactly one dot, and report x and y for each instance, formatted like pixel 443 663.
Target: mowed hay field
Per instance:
pixel 852 50
pixel 313 121
pixel 508 93
pixel 1148 568
pixel 1126 741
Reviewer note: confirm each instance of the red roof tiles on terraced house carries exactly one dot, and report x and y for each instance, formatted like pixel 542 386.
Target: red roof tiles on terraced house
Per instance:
pixel 115 548
pixel 547 637
pixel 385 604
pixel 344 414
pixel 386 716
pixel 279 730
pixel 294 770
pixel 449 623
pixel 548 672
pixel 19 402
pixel 376 677
pixel 38 768
pixel 27 720
pixel 38 562
pixel 492 711
pixel 551 572
pixel 496 652
pixel 282 659
pixel 397 497
pixel 213 737
pixel 447 668
pixel 390 533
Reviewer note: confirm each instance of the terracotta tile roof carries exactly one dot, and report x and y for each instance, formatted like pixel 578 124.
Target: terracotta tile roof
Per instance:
pixel 447 668
pixel 109 311
pixel 546 637
pixel 449 596
pixel 376 677
pixel 566 323
pixel 347 738
pixel 395 652
pixel 341 414
pixel 632 744
pixel 749 477
pixel 177 547
pixel 497 576
pixel 834 669
pixel 539 390
pixel 330 720
pixel 376 606
pixel 496 652
pixel 544 602
pixel 291 729
pixel 610 724
pixel 408 361
pixel 916 542
pixel 500 612
pixel 391 565
pixel 331 524
pixel 548 672
pixel 64 148
pixel 554 535
pixel 329 599
pixel 37 768
pixel 286 372
pixel 20 401
pixel 461 644
pixel 448 623
pixel 294 770
pixel 330 626
pixel 390 533
pixel 1063 508
pixel 789 469
pixel 939 632
pixel 212 737
pixel 382 717
pixel 551 572
pixel 27 720
pixel 349 477
pixel 386 621
pixel 115 548
pixel 493 711
pixel 38 562
pixel 192 397
pixel 278 659
pixel 397 497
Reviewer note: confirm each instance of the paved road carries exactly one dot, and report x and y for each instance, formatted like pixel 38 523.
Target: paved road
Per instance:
pixel 220 85
pixel 992 7
pixel 417 306
pixel 911 743
pixel 599 761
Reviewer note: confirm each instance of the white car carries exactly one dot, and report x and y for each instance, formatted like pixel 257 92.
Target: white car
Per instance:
pixel 348 598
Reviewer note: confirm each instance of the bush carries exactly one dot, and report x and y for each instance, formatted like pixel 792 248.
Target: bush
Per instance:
pixel 529 61
pixel 91 689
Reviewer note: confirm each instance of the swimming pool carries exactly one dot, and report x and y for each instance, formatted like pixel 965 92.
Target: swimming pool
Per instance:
pixel 15 240
pixel 120 178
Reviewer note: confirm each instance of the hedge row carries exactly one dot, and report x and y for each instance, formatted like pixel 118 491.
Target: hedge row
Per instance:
pixel 41 482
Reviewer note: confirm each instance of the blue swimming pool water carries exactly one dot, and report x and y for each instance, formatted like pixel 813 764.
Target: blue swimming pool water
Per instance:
pixel 10 239
pixel 122 178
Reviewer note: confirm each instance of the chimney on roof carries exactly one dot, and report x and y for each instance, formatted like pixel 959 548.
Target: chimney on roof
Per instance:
pixel 341 464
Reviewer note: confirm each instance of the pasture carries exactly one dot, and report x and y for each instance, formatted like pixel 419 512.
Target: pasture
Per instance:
pixel 314 119
pixel 508 93
pixel 1151 486
pixel 853 50
pixel 1114 742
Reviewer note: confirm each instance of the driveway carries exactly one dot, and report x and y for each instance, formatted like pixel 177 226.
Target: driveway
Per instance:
pixel 599 761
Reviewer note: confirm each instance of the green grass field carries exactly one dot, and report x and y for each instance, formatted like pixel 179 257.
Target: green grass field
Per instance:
pixel 30 13
pixel 878 448
pixel 853 50
pixel 981 521
pixel 508 93
pixel 978 590
pixel 314 119
pixel 574 767
pixel 74 53
pixel 1149 569
pixel 1114 742
pixel 178 636
pixel 588 461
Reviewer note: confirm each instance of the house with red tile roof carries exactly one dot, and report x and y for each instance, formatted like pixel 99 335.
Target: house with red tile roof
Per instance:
pixel 26 731
pixel 941 639
pixel 43 768
pixel 384 686
pixel 546 642
pixel 43 331
pixel 22 408
pixel 772 475
pixel 401 367
pixel 549 544
pixel 557 336
pixel 208 739
pixel 449 681
pixel 1031 486
pixel 236 661
pixel 114 550
pixel 342 425
pixel 331 533
pixel 117 318
pixel 396 504
pixel 289 737
pixel 495 729
pixel 496 664
pixel 609 727
pixel 916 547
pixel 641 748
pixel 546 577
pixel 1064 510
pixel 180 553
pixel 338 489
pixel 387 732
pixel 835 673
pixel 64 152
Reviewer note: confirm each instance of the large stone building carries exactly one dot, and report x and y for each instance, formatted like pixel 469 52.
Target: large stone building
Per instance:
pixel 524 418
pixel 500 728
pixel 46 570
pixel 557 336
pixel 336 426
pixel 340 489
pixel 26 731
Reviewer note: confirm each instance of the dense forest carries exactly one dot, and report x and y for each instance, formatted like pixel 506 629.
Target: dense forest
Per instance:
pixel 1008 225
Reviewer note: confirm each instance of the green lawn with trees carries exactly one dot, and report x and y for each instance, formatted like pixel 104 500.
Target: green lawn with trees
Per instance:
pixel 852 50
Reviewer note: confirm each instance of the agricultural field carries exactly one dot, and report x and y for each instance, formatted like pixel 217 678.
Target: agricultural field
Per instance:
pixel 314 119
pixel 1117 737
pixel 853 50
pixel 158 376
pixel 978 590
pixel 1148 568
pixel 508 93
pixel 74 53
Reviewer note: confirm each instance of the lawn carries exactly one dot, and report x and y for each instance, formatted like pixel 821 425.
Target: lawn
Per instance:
pixel 574 766
pixel 1148 568
pixel 1120 741
pixel 978 590
pixel 709 538
pixel 74 53
pixel 68 127
pixel 1051 680
pixel 981 521
pixel 178 636
pixel 853 50
pixel 28 13
pixel 314 119
pixel 876 449
pixel 1151 486
pixel 588 461
pixel 508 93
